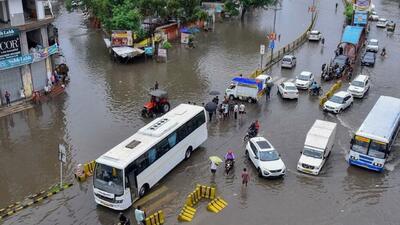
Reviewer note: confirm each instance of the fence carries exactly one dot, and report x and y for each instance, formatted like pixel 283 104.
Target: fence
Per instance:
pixel 277 56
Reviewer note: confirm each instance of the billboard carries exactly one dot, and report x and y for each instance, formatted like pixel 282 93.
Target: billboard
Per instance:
pixel 122 38
pixel 362 4
pixel 360 18
pixel 10 45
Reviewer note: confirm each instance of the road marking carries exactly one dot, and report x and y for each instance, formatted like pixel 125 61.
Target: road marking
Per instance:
pixel 150 196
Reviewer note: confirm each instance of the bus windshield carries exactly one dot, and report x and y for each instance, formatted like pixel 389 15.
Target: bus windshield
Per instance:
pixel 360 145
pixel 377 149
pixel 108 179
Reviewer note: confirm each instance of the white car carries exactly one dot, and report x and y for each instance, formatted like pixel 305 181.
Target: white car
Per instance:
pixel 314 35
pixel 338 102
pixel 304 80
pixel 382 22
pixel 374 16
pixel 359 86
pixel 288 61
pixel 372 45
pixel 265 158
pixel 288 90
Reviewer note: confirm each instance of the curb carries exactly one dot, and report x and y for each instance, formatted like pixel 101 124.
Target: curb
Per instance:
pixel 33 199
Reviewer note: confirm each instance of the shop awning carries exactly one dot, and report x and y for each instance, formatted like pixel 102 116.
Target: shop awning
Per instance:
pixel 127 51
pixel 352 34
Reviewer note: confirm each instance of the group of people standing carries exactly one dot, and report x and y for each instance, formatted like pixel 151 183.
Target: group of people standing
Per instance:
pixel 140 217
pixel 228 109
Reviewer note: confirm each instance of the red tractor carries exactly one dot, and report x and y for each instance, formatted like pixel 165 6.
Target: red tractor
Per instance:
pixel 157 104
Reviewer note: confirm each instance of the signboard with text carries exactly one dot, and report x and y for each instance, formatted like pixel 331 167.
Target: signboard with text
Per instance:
pixel 10 45
pixel 122 38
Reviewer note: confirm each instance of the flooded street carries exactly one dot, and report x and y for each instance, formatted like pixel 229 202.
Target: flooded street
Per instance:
pixel 102 104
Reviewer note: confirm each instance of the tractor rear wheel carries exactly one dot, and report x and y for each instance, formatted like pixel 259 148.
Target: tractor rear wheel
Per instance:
pixel 166 107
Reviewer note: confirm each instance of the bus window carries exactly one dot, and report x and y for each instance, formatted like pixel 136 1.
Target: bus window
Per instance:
pixel 172 140
pixel 377 149
pixel 151 155
pixel 108 179
pixel 360 145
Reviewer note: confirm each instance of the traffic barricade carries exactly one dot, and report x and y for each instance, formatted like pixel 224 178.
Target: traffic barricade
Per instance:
pixel 157 218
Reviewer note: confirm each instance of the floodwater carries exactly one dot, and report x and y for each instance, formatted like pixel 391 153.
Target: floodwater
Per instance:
pixel 102 104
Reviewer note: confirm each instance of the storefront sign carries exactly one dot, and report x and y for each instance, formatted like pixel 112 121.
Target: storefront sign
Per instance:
pixel 28 59
pixel 121 38
pixel 162 52
pixel 10 45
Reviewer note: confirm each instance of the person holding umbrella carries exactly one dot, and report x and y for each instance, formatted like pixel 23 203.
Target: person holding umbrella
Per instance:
pixel 215 161
pixel 210 107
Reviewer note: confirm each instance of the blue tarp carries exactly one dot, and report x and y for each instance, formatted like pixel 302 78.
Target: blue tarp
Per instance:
pixel 248 81
pixel 191 30
pixel 352 34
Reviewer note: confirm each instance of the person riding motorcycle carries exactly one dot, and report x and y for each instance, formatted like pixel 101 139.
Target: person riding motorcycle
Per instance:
pixel 383 53
pixel 229 156
pixel 254 128
pixel 314 88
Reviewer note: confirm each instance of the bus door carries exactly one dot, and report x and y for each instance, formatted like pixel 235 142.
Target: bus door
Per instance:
pixel 132 184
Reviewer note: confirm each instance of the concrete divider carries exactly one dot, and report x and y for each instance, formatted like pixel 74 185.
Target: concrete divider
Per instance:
pixel 200 192
pixel 84 171
pixel 217 205
pixel 155 218
pixel 336 86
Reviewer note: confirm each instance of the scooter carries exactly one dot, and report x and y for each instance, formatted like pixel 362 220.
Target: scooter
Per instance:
pixel 229 165
pixel 250 134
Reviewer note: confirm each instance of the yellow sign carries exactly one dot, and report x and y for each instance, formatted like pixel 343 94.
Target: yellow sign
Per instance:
pixel 363 139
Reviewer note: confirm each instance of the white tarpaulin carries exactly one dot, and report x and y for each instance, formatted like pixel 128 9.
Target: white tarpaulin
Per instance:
pixel 127 51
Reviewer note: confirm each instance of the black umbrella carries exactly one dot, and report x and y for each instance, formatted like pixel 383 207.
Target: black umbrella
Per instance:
pixel 211 106
pixel 215 93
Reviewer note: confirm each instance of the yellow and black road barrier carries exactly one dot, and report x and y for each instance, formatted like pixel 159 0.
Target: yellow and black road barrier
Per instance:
pixel 201 192
pixel 31 200
pixel 84 171
pixel 157 218
pixel 217 205
pixel 330 92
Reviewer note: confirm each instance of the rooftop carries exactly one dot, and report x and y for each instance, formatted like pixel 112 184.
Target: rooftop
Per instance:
pixel 30 24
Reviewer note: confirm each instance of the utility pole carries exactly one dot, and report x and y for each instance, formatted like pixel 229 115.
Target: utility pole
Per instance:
pixel 272 45
pixel 312 10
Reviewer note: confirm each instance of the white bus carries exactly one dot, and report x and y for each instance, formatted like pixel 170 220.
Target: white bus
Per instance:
pixel 373 141
pixel 127 171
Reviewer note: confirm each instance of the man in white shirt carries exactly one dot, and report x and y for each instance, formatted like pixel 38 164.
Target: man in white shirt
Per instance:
pixel 235 110
pixel 139 216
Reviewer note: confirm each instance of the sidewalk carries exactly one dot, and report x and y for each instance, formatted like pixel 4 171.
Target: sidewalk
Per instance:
pixel 15 107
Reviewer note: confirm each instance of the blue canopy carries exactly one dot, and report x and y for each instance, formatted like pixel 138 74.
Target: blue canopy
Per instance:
pixel 352 34
pixel 248 81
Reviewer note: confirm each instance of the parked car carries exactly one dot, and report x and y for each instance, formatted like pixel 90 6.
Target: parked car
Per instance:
pixel 288 90
pixel 373 45
pixel 343 61
pixel 338 102
pixel 374 16
pixel 265 158
pixel 304 80
pixel 317 147
pixel 288 61
pixel 368 59
pixel 359 86
pixel 314 35
pixel 382 22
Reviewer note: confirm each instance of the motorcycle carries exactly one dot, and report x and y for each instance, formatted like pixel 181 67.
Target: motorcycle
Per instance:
pixel 250 134
pixel 315 91
pixel 229 165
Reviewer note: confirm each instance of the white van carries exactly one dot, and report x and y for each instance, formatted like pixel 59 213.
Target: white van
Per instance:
pixel 317 147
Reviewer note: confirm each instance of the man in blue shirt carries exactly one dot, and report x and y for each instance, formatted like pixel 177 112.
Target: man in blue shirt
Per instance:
pixel 139 216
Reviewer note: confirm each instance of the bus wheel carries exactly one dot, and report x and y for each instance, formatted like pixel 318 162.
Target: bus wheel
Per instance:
pixel 143 190
pixel 188 153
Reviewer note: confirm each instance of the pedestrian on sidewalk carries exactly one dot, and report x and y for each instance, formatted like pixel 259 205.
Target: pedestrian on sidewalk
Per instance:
pixel 7 95
pixel 236 110
pixel 213 168
pixel 139 215
pixel 245 177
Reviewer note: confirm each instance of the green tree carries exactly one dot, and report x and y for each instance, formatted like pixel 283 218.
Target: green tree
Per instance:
pixel 233 6
pixel 125 19
pixel 348 12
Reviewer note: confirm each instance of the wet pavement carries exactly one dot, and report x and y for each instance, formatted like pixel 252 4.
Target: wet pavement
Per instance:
pixel 102 104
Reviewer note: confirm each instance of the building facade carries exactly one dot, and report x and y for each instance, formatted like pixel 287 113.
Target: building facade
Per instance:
pixel 27 43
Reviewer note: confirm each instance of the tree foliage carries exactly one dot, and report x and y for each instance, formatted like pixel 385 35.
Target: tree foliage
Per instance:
pixel 128 14
pixel 348 12
pixel 233 6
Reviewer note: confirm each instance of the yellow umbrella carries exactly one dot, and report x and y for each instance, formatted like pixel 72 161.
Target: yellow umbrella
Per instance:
pixel 216 159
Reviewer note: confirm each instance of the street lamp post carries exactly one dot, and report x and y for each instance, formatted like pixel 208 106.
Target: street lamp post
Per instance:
pixel 312 10
pixel 273 31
